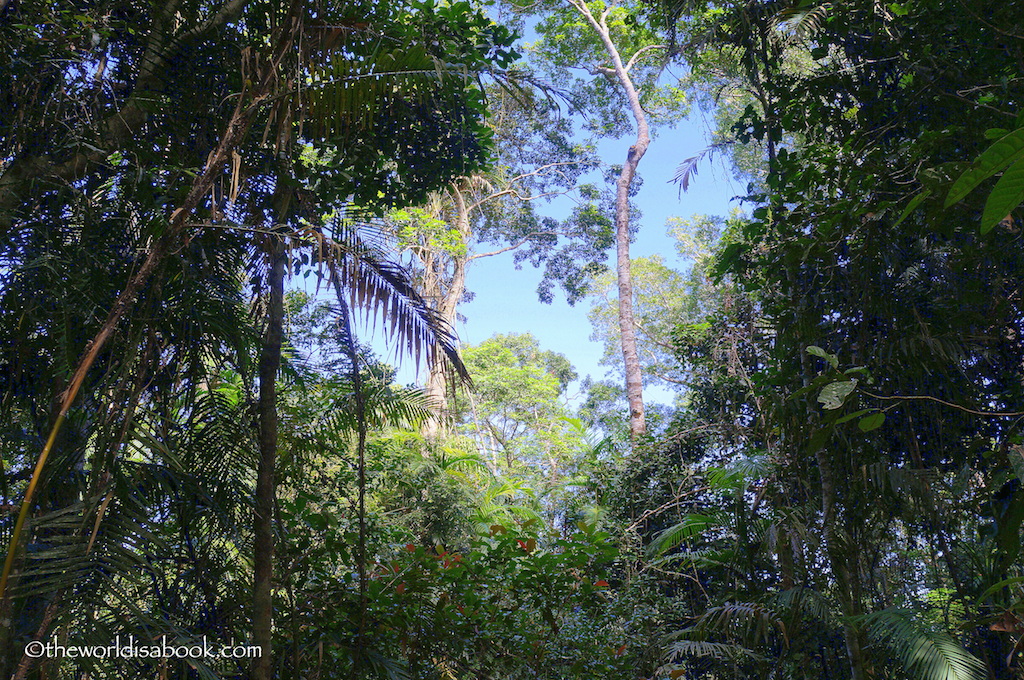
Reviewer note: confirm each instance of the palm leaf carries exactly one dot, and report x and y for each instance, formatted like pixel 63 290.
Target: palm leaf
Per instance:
pixel 800 21
pixel 687 170
pixel 383 289
pixel 926 653
pixel 690 527
pixel 715 650
pixel 748 622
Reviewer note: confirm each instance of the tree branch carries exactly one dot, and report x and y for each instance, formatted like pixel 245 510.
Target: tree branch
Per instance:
pixel 632 60
pixel 987 414
pixel 518 178
pixel 514 246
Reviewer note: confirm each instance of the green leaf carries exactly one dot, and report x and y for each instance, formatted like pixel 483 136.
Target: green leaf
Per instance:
pixel 818 439
pixel 1007 195
pixel 832 359
pixel 996 587
pixel 693 525
pixel 834 394
pixel 912 205
pixel 1005 151
pixel 871 422
pixel 851 416
pixel 924 651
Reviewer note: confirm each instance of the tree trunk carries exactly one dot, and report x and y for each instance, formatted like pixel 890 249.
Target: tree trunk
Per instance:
pixel 447 304
pixel 623 268
pixel 845 567
pixel 624 274
pixel 263 526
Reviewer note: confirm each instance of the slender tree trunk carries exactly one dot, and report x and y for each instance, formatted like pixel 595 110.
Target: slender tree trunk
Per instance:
pixel 845 567
pixel 623 268
pixel 263 543
pixel 624 274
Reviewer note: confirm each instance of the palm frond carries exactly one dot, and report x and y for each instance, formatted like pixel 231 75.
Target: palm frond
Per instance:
pixel 714 650
pixel 799 22
pixel 749 622
pixel 383 289
pixel 687 170
pixel 690 527
pixel 806 601
pixel 926 653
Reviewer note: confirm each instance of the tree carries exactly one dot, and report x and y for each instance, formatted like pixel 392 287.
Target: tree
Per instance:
pixel 665 299
pixel 514 410
pixel 494 212
pixel 622 55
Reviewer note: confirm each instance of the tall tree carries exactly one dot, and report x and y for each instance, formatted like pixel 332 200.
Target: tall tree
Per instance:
pixel 624 57
pixel 498 211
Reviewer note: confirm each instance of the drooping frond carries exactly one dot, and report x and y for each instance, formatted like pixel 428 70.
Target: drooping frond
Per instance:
pixel 687 170
pixel 806 601
pixel 799 22
pixel 385 406
pixel 346 94
pixel 748 622
pixel 926 653
pixel 382 289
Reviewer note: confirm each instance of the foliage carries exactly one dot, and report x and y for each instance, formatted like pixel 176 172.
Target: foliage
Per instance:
pixel 836 494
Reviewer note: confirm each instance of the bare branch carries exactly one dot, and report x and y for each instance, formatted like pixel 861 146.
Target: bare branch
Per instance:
pixel 514 246
pixel 987 414
pixel 678 500
pixel 540 170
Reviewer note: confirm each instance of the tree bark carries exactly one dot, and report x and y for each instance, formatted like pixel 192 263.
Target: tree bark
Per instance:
pixel 447 306
pixel 623 268
pixel 263 525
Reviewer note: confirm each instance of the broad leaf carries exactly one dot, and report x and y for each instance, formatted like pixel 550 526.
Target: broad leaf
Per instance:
pixel 1007 150
pixel 912 205
pixel 834 394
pixel 1007 195
pixel 871 422
pixel 832 359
